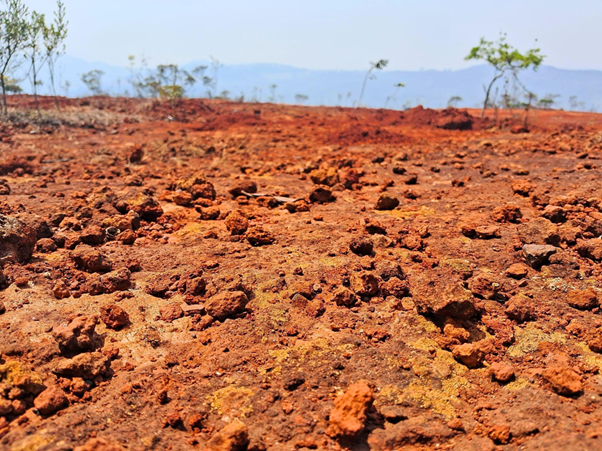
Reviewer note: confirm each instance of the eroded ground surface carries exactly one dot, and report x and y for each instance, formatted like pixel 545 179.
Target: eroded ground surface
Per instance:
pixel 400 284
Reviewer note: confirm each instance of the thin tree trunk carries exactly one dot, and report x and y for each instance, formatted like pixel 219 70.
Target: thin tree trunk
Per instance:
pixel 35 88
pixel 359 102
pixel 488 92
pixel 52 83
pixel 4 104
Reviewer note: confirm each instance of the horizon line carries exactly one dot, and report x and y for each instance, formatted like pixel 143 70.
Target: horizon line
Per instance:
pixel 125 66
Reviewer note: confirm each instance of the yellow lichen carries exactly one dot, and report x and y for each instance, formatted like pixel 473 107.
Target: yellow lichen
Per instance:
pixel 464 240
pixel 32 443
pixel 14 373
pixel 438 400
pixel 457 264
pixel 589 357
pixel 389 394
pixel 442 372
pixel 190 229
pixel 424 344
pixel 231 400
pixel 302 352
pixel 517 384
pixel 404 214
pixel 528 339
pixel 426 325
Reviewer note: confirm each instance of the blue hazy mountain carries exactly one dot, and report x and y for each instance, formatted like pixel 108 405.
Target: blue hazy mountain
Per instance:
pixel 431 88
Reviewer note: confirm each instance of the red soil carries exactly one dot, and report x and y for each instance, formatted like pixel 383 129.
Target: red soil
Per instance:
pixel 151 299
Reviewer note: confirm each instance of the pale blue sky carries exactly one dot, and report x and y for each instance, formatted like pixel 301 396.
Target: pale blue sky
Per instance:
pixel 329 34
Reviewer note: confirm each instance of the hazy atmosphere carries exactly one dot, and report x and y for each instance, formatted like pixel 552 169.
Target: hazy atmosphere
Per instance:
pixel 335 34
pixel 322 49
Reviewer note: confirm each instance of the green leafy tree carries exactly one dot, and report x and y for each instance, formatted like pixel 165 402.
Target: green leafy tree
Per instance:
pixel 393 95
pixel 301 99
pixel 505 59
pixel 548 101
pixel 168 81
pixel 34 52
pixel 173 81
pixel 12 86
pixel 93 81
pixel 379 65
pixel 453 101
pixel 54 44
pixel 13 38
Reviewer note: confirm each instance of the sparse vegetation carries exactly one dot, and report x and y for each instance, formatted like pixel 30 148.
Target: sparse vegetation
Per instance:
pixel 575 104
pixel 454 101
pixel 26 37
pixel 393 95
pixel 13 40
pixel 379 65
pixel 12 85
pixel 93 81
pixel 272 97
pixel 54 44
pixel 505 60
pixel 34 52
pixel 171 81
pixel 79 118
pixel 301 99
pixel 137 79
pixel 548 101
pixel 210 83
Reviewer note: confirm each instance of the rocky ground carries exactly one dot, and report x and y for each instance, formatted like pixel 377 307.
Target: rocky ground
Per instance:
pixel 230 277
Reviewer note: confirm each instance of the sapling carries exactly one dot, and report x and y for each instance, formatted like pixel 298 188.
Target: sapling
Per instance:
pixel 54 45
pixel 13 39
pixel 379 65
pixel 34 52
pixel 393 95
pixel 505 59
pixel 453 101
pixel 93 81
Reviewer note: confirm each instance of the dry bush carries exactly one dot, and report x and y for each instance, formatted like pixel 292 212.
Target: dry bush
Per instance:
pixel 80 118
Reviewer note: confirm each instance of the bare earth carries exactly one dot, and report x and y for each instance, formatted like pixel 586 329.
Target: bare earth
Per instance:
pixel 230 277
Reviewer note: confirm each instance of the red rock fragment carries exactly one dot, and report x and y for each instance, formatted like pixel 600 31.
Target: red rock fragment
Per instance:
pixel 233 437
pixel 50 401
pixel 348 416
pixel 563 380
pixel 501 371
pixel 225 305
pixel 114 316
pixel 236 223
pixel 171 312
pixel 386 202
pixel 257 236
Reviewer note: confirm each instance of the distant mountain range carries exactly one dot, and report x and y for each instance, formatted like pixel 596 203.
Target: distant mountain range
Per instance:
pixel 431 88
